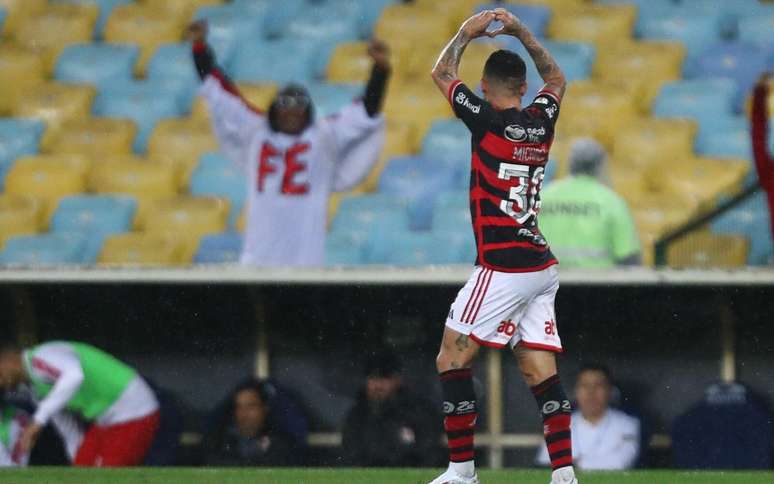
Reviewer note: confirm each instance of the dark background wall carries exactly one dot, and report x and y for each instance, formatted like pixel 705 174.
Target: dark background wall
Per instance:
pixel 662 343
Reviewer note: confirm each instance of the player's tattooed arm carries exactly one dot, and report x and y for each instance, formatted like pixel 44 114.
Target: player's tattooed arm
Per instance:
pixel 446 67
pixel 545 63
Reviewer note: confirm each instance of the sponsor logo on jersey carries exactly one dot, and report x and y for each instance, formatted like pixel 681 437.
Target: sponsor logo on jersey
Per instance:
pixel 551 112
pixel 535 134
pixel 516 133
pixel 462 100
pixel 541 100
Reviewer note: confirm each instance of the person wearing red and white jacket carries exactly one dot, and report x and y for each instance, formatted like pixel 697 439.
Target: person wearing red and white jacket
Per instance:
pixel 764 163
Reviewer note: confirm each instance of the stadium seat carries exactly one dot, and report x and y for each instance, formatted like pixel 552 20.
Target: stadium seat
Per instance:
pixel 535 17
pixel 596 24
pixel 349 62
pixel 183 141
pixel 147 27
pixel 46 179
pixel 751 219
pixel 17 11
pixel 345 249
pixel 44 250
pixel 227 26
pixel 189 218
pixel 144 102
pixel 213 160
pixel 452 211
pixel 695 31
pixel 414 249
pixel 105 9
pixel 141 249
pixel 418 180
pixel 274 19
pixel 18 137
pixel 259 95
pixel 597 109
pixel 225 180
pixel 173 62
pixel 647 64
pixel 96 216
pixel 219 248
pixel 331 98
pixel 371 212
pixel 54 103
pixel 700 99
pixel 19 69
pixel 725 137
pixel 703 179
pixel 19 215
pixel 735 60
pixel 98 138
pixel 180 10
pixel 707 250
pixel 449 141
pixel 557 6
pixel 59 25
pixel 647 142
pixel 416 106
pixel 96 64
pixel 324 25
pixel 2 19
pixel 756 29
pixel 261 61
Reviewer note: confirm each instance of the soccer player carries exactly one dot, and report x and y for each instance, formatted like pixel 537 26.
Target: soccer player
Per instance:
pixel 292 161
pixel 509 299
pixel 80 380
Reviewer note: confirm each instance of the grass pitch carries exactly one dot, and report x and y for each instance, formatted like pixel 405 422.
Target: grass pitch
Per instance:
pixel 354 476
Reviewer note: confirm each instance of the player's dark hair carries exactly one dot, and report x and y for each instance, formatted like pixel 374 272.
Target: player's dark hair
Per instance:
pixel 598 367
pixel 291 90
pixel 507 68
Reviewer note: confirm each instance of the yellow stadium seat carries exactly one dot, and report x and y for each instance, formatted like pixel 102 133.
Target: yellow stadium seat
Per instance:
pixel 46 179
pixel 95 137
pixel 180 10
pixel 241 220
pixel 146 27
pixel 598 24
pixel 454 11
pixel 707 250
pixel 349 63
pixel 141 249
pixel 18 11
pixel 77 162
pixel 145 180
pixel 54 103
pixel 19 215
pixel 596 109
pixel 416 105
pixel 557 7
pixel 259 95
pixel 183 141
pixel 703 179
pixel 647 65
pixel 18 67
pixel 400 139
pixel 647 142
pixel 188 218
pixel 472 66
pixel 59 25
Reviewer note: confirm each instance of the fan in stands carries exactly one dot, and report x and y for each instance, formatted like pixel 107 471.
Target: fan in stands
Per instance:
pixel 292 161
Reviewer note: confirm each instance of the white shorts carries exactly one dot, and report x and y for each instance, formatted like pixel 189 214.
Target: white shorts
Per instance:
pixel 500 308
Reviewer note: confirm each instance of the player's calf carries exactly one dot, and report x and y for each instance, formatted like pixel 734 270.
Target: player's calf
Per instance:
pixel 556 411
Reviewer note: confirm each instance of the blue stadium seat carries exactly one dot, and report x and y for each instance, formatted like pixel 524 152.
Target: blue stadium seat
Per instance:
pixel 330 98
pixel 756 29
pixel 105 9
pixel 173 61
pixel 751 219
pixel 535 17
pixel 46 249
pixel 144 102
pixel 723 137
pixel 448 140
pixel 735 60
pixel 343 248
pixel 372 213
pixel 459 244
pixel 452 212
pixel 219 248
pixel 2 19
pixel 18 137
pixel 404 248
pixel 695 31
pixel 213 160
pixel 419 180
pixel 324 25
pixel 269 61
pixel 226 180
pixel 228 25
pixel 98 64
pixel 96 215
pixel 575 58
pixel 276 18
pixel 702 99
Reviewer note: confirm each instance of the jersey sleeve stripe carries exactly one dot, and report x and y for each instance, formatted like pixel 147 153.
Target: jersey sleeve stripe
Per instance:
pixel 450 94
pixel 548 93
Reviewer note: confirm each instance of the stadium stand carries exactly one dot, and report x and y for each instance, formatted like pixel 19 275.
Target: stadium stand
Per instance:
pixel 105 89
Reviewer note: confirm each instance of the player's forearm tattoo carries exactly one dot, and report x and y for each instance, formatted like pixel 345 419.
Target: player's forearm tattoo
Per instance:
pixel 544 62
pixel 462 343
pixel 447 64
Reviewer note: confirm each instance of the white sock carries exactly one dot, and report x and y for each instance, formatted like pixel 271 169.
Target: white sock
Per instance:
pixel 563 474
pixel 465 469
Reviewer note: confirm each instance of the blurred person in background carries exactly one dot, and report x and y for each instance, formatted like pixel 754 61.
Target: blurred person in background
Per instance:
pixel 292 161
pixel 603 438
pixel 79 381
pixel 764 163
pixel 248 433
pixel 389 425
pixel 13 422
pixel 588 224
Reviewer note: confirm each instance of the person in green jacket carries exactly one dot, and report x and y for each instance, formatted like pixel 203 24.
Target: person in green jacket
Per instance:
pixel 588 224
pixel 67 377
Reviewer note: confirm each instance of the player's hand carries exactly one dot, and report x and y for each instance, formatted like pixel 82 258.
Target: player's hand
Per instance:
pixel 511 24
pixel 379 51
pixel 476 26
pixel 197 31
pixel 29 437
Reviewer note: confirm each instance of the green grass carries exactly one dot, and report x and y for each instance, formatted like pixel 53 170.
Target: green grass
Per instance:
pixel 354 476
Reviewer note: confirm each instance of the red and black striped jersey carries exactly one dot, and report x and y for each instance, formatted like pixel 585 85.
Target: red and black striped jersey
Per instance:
pixel 509 154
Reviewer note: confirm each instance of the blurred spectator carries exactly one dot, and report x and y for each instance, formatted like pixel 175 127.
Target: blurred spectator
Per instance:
pixel 388 425
pixel 603 438
pixel 13 421
pixel 588 224
pixel 760 133
pixel 249 431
